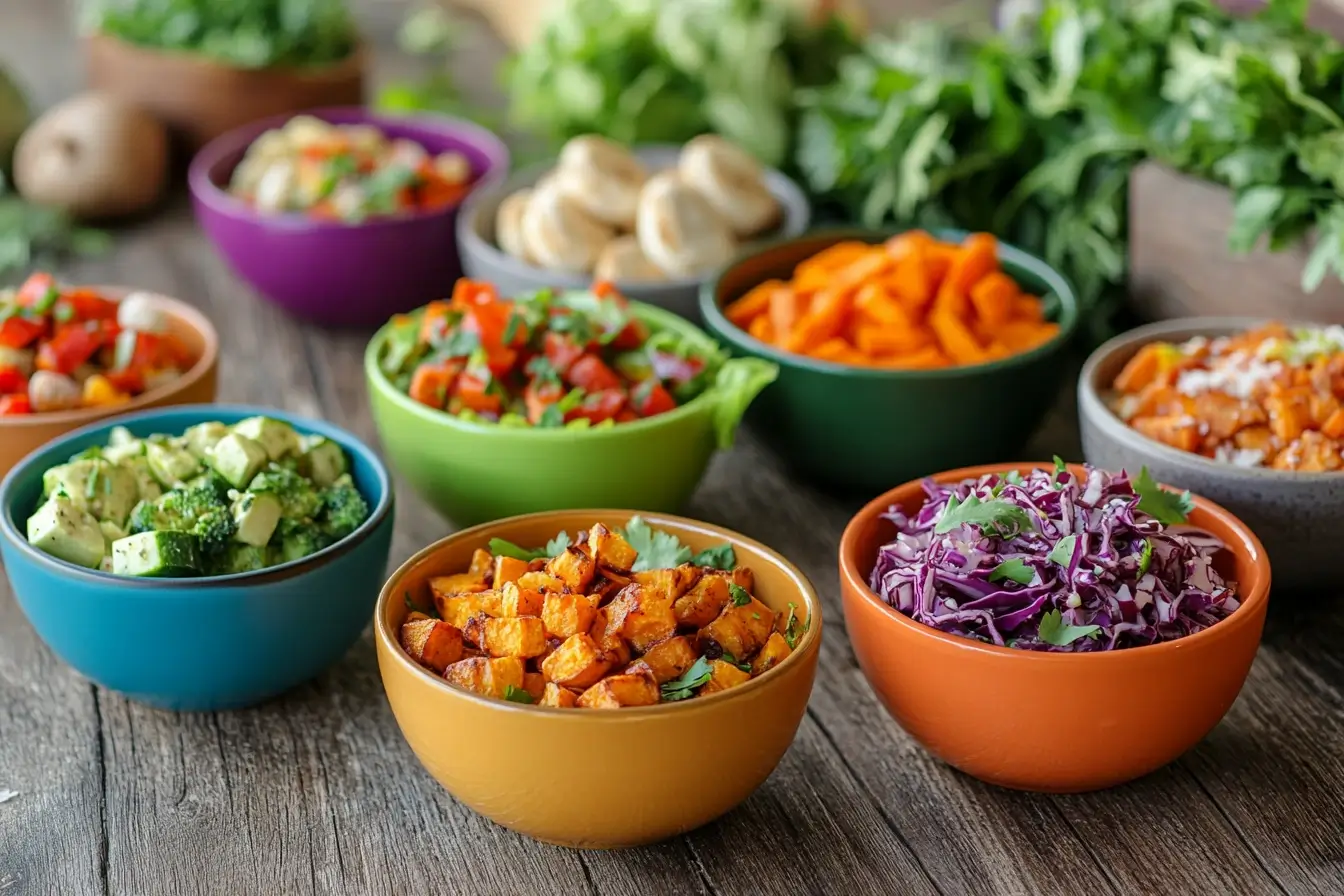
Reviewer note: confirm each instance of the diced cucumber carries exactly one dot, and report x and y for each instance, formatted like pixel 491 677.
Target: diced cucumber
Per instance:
pixel 171 465
pixel 120 435
pixel 62 529
pixel 103 489
pixel 257 514
pixel 156 554
pixel 277 437
pixel 237 458
pixel 126 450
pixel 202 437
pixel 322 459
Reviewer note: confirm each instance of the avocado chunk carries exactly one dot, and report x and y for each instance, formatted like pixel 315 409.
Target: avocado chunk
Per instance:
pixel 147 486
pixel 278 438
pixel 171 465
pixel 156 554
pixel 68 532
pixel 256 515
pixel 237 458
pixel 103 489
pixel 120 453
pixel 322 460
pixel 111 532
pixel 202 437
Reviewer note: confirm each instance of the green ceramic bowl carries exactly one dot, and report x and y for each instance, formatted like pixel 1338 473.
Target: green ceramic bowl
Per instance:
pixel 869 429
pixel 475 472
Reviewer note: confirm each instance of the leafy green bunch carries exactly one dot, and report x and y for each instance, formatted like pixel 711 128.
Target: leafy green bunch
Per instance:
pixel 244 33
pixel 644 71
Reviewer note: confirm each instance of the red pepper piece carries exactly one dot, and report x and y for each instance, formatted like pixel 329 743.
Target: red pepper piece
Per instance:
pixel 649 398
pixel 14 405
pixel 73 345
pixel 591 374
pixel 19 331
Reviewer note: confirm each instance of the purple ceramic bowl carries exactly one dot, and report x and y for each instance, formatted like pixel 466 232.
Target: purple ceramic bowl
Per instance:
pixel 329 272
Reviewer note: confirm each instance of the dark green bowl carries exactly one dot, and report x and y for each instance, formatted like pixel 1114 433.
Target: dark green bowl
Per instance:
pixel 870 429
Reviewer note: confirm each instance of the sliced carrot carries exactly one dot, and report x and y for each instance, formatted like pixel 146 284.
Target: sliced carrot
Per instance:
pixel 786 307
pixel 760 329
pixel 992 297
pixel 929 358
pixel 755 302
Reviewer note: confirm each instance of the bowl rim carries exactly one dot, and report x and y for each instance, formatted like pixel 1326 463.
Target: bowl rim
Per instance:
pixel 781 186
pixel 186 314
pixel 1070 312
pixel 221 202
pixel 381 511
pixel 387 639
pixel 702 403
pixel 1092 404
pixel 1251 608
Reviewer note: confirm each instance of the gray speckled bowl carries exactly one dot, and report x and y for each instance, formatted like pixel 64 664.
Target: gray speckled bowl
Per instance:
pixel 1297 516
pixel 482 259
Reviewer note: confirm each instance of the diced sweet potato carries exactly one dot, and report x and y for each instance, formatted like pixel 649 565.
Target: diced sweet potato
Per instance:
pixel 482 562
pixel 641 615
pixel 484 675
pixel 544 582
pixel 522 636
pixel 771 655
pixel 670 582
pixel 432 643
pixel 612 645
pixel 451 586
pixel 567 614
pixel 554 695
pixel 627 689
pixel 416 616
pixel 516 601
pixel 605 586
pixel 610 550
pixel 535 685
pixel 702 604
pixel 577 663
pixel 670 658
pixel 575 568
pixel 724 676
pixel 740 631
pixel 458 609
pixel 508 569
pixel 1289 416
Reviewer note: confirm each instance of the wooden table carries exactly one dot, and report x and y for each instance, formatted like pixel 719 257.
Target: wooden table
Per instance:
pixel 316 792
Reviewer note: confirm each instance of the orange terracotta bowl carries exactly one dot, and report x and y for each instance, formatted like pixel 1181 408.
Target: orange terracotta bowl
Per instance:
pixel 1051 722
pixel 598 779
pixel 23 434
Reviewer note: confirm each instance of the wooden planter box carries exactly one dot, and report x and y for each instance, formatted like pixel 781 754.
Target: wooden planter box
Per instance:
pixel 1180 265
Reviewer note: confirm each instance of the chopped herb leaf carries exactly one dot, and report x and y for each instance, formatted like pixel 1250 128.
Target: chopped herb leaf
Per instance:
pixel 1060 468
pixel 1013 570
pixel 791 627
pixel 733 661
pixel 719 557
pixel 994 517
pixel 554 415
pixel 1166 507
pixel 1145 557
pixel 516 323
pixel 1013 477
pixel 459 344
pixel 515 694
pixel 554 548
pixel 657 550
pixel 680 688
pixel 741 597
pixel 1054 631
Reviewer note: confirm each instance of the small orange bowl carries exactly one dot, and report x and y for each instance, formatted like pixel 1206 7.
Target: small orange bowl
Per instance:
pixel 592 778
pixel 21 435
pixel 1050 722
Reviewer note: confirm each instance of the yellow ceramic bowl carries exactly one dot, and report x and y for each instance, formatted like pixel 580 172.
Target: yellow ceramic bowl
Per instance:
pixel 598 779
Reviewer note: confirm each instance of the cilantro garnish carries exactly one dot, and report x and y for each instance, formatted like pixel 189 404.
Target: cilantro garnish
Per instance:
pixel 1013 570
pixel 416 608
pixel 1166 507
pixel 515 694
pixel 1145 557
pixel 741 597
pixel 1013 477
pixel 1054 631
pixel 994 517
pixel 459 344
pixel 733 661
pixel 1063 551
pixel 554 415
pixel 554 548
pixel 719 556
pixel 680 688
pixel 791 627
pixel 1060 468
pixel 516 323
pixel 543 370
pixel 657 550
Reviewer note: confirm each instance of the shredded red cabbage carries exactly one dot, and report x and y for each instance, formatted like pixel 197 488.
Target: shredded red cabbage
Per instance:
pixel 1083 569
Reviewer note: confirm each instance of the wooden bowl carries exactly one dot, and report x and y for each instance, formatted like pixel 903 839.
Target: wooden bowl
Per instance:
pixel 23 434
pixel 199 98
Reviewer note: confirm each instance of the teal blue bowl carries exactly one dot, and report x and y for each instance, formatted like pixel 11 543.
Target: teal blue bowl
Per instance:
pixel 220 642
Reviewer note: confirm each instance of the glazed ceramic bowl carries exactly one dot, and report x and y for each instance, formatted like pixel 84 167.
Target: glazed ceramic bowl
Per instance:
pixel 21 434
pixel 981 708
pixel 472 472
pixel 1298 516
pixel 865 428
pixel 332 272
pixel 484 260
pixel 214 643
pixel 631 776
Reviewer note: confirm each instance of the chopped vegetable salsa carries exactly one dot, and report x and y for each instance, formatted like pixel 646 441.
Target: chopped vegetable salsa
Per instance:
pixel 546 359
pixel 215 500
pixel 63 348
pixel 1269 397
pixel 609 619
pixel 346 172
pixel 911 303
pixel 1050 561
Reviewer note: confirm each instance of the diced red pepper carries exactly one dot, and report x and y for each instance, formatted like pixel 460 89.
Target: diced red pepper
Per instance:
pixel 501 360
pixel 14 405
pixel 605 289
pixel 89 305
pixel 650 398
pixel 599 406
pixel 18 331
pixel 131 380
pixel 626 415
pixel 36 289
pixel 591 374
pixel 432 383
pixel 468 293
pixel 561 351
pixel 471 391
pixel 632 336
pixel 488 322
pixel 12 381
pixel 538 396
pixel 73 345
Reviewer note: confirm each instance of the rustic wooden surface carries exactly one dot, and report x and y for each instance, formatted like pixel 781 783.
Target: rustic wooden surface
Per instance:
pixel 316 792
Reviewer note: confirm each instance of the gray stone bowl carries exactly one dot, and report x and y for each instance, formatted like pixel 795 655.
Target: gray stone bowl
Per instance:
pixel 1299 517
pixel 482 259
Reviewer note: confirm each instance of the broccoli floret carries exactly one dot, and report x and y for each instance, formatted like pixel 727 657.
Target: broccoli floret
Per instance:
pixel 299 499
pixel 295 539
pixel 197 510
pixel 212 481
pixel 237 558
pixel 343 509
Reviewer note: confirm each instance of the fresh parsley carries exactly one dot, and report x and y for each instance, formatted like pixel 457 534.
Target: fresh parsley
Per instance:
pixel 1013 477
pixel 1061 469
pixel 1062 553
pixel 719 556
pixel 699 674
pixel 512 329
pixel 1054 631
pixel 733 661
pixel 1168 508
pixel 554 548
pixel 1014 570
pixel 656 549
pixel 1145 557
pixel 791 627
pixel 554 415
pixel 515 694
pixel 459 344
pixel 994 517
pixel 740 596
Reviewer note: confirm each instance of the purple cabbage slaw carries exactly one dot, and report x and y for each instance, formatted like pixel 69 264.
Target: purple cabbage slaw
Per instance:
pixel 1119 576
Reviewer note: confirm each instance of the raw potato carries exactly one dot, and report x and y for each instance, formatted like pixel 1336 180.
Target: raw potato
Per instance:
pixel 93 156
pixel 679 230
pixel 603 177
pixel 509 225
pixel 731 181
pixel 560 234
pixel 622 261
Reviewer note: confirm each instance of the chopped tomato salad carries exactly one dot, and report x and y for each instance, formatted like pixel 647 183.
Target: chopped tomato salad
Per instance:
pixel 547 359
pixel 65 347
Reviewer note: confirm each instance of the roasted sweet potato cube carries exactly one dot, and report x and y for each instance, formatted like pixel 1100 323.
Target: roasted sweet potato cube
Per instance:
pixel 672 583
pixel 702 604
pixel 641 615
pixel 610 550
pixel 577 663
pixel 416 616
pixel 771 655
pixel 606 586
pixel 743 577
pixel 723 676
pixel 567 614
pixel 462 583
pixel 432 643
pixel 458 609
pixel 523 636
pixel 613 646
pixel 670 658
pixel 544 582
pixel 575 568
pixel 516 601
pixel 627 689
pixel 481 562
pixel 535 685
pixel 554 695
pixel 508 569
pixel 484 675
pixel 740 631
